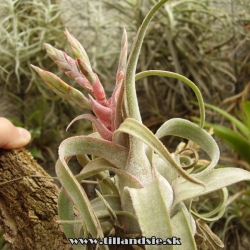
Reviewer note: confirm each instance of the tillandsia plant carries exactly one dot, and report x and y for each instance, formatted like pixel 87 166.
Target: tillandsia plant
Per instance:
pixel 184 37
pixel 143 191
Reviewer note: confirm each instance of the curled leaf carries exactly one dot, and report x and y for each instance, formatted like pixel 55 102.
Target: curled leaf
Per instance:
pixel 101 129
pixel 138 130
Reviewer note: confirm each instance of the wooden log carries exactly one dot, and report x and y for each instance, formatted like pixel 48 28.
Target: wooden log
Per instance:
pixel 28 204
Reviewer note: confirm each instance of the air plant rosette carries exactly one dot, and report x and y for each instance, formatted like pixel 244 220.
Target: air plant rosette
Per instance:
pixel 153 191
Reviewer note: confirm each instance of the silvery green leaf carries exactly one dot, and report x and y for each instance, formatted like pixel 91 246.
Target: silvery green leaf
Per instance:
pixel 66 213
pixel 180 78
pixel 132 102
pixel 100 164
pixel 183 226
pixel 101 210
pixel 213 180
pixel 219 210
pixel 108 208
pixel 94 146
pixel 78 196
pixel 138 130
pixel 188 130
pixel 106 183
pixel 152 205
pixel 165 168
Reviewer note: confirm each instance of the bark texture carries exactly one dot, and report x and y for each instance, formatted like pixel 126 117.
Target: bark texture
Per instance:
pixel 28 205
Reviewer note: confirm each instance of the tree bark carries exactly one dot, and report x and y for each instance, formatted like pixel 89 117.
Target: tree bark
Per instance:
pixel 28 204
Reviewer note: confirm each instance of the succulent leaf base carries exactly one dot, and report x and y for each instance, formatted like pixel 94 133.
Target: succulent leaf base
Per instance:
pixel 151 191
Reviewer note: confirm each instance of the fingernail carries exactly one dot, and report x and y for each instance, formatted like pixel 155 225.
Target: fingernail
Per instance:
pixel 25 134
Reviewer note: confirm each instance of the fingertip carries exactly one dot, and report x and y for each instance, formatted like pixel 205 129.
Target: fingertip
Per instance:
pixel 25 136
